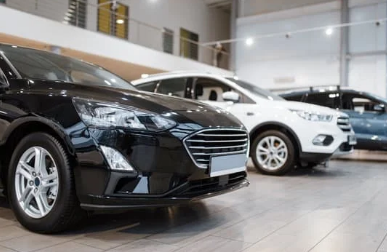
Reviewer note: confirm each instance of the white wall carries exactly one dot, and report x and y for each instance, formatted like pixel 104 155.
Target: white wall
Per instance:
pixel 312 58
pixel 368 72
pixel 49 32
pixel 194 15
pixel 51 9
pixel 256 7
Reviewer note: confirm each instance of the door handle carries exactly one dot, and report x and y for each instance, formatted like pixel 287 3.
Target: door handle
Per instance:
pixel 250 113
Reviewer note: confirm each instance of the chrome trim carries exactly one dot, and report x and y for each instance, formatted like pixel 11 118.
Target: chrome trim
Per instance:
pixel 219 153
pixel 217 141
pixel 204 166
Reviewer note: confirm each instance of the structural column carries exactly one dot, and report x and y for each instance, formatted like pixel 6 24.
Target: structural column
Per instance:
pixel 344 45
pixel 233 26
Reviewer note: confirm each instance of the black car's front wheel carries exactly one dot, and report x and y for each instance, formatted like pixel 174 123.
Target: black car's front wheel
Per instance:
pixel 273 153
pixel 41 185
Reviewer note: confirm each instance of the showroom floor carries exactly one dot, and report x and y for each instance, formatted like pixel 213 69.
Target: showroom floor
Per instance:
pixel 342 208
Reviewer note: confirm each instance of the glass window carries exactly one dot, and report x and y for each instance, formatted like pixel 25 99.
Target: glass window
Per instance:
pixel 291 97
pixel 173 87
pixel 149 87
pixel 168 41
pixel 331 100
pixel 212 90
pixel 360 103
pixel 76 14
pixel 188 44
pixel 113 18
pixel 34 64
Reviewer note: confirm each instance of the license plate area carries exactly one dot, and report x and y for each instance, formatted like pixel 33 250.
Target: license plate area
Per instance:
pixel 223 165
pixel 352 140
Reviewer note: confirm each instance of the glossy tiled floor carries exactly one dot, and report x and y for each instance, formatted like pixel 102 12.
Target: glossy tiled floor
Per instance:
pixel 342 208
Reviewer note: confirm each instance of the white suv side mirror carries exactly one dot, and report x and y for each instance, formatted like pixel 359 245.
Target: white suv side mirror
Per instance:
pixel 231 96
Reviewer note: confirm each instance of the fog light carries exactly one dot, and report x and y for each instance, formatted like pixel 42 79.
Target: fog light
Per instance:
pixel 322 140
pixel 115 159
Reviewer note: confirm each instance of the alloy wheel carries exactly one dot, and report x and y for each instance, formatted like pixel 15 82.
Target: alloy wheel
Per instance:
pixel 36 182
pixel 271 153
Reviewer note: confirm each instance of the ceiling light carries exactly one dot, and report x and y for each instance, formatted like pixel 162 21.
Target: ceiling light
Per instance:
pixel 144 76
pixel 329 31
pixel 120 21
pixel 249 41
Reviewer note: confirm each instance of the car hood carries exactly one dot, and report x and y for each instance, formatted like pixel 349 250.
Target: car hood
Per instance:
pixel 292 105
pixel 185 110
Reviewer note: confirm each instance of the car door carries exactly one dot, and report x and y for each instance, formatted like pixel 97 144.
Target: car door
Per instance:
pixel 368 118
pixel 211 91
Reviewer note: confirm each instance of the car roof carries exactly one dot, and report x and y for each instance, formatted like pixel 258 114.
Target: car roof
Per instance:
pixel 324 89
pixel 175 74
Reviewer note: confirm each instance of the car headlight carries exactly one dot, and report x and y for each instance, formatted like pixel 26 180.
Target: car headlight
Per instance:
pixel 313 116
pixel 100 114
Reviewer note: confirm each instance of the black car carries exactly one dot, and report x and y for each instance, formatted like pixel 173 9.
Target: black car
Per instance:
pixel 75 138
pixel 367 112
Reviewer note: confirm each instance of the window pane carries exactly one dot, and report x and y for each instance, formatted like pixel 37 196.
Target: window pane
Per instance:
pixel 210 90
pixel 173 87
pixel 330 100
pixel 188 47
pixel 359 103
pixel 112 19
pixel 168 41
pixel 76 14
pixel 150 86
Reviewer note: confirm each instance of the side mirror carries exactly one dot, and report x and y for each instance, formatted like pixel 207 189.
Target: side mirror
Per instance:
pixel 231 96
pixel 381 108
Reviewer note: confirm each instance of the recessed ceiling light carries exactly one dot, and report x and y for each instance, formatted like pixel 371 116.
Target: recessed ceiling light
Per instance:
pixel 249 41
pixel 120 21
pixel 329 31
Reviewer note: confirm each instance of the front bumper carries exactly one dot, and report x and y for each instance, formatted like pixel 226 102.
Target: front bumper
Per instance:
pixel 189 191
pixel 165 173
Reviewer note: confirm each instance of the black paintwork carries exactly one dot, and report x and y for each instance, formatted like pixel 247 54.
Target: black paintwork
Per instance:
pixel 161 161
pixel 370 126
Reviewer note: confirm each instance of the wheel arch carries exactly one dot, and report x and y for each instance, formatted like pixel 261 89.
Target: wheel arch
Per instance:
pixel 276 126
pixel 22 127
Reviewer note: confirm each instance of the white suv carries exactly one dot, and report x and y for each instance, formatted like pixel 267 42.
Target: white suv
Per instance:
pixel 282 133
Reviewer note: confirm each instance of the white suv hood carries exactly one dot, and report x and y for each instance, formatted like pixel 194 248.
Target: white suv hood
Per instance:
pixel 308 107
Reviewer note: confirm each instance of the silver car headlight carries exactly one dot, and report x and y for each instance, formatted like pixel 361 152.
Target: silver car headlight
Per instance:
pixel 313 116
pixel 100 114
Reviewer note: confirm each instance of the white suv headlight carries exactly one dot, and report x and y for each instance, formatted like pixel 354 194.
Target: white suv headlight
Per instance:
pixel 313 116
pixel 113 115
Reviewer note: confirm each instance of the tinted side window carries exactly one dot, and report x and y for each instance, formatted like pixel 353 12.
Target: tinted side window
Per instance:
pixel 212 90
pixel 173 87
pixel 359 103
pixel 150 86
pixel 293 97
pixel 330 100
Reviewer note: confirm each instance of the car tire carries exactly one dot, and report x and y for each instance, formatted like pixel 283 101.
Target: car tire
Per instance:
pixel 273 153
pixel 48 203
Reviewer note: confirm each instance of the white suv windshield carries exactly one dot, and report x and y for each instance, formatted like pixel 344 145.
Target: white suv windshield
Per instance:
pixel 257 91
pixel 41 65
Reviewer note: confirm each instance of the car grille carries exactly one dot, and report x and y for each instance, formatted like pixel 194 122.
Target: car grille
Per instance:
pixel 343 123
pixel 216 142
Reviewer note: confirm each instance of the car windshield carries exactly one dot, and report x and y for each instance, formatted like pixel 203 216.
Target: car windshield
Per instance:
pixel 41 65
pixel 257 90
